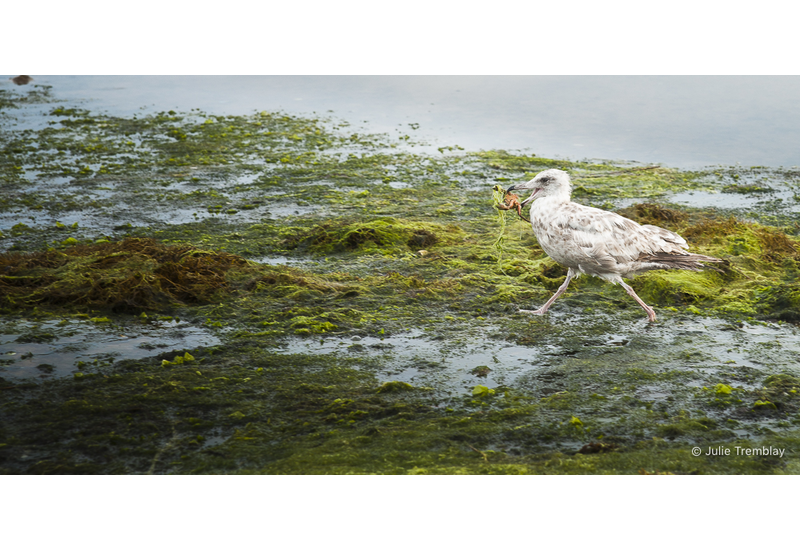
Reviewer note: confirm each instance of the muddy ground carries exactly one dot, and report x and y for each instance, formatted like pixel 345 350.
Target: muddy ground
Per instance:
pixel 193 293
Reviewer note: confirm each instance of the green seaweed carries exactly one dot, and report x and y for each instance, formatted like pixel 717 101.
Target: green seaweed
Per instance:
pixel 382 243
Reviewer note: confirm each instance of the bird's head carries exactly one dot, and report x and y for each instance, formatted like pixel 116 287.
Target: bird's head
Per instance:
pixel 547 183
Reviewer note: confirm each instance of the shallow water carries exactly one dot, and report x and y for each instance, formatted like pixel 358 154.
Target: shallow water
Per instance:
pixel 63 348
pixel 686 122
pixel 702 199
pixel 282 260
pixel 449 364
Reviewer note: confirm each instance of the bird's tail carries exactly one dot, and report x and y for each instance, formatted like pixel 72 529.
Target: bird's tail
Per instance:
pixel 690 262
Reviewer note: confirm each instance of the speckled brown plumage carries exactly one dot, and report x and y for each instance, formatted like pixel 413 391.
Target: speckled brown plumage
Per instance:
pixel 600 243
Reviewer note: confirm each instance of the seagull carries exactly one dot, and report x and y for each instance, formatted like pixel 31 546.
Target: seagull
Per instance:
pixel 600 243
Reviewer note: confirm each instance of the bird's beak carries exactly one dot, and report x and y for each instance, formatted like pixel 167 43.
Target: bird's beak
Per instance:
pixel 521 186
pixel 530 199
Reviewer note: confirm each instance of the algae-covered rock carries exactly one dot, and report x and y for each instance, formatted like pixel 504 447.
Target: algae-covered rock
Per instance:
pixel 482 391
pixel 309 325
pixel 723 389
pixel 394 386
pixel 760 405
pixel 388 234
pixel 132 274
pixel 783 381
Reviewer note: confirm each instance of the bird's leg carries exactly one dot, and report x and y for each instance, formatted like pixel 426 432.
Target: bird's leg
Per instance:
pixel 542 310
pixel 651 315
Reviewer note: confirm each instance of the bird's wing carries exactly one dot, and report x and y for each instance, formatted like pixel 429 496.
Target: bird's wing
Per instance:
pixel 607 239
pixel 665 235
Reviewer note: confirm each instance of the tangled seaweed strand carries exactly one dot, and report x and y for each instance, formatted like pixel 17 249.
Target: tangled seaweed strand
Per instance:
pixel 498 194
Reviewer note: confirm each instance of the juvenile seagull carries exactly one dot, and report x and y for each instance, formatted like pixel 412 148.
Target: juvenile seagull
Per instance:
pixel 600 243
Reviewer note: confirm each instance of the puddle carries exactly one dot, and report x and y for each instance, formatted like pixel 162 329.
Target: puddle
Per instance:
pixel 38 220
pixel 282 260
pixel 738 190
pixel 451 366
pixel 290 209
pixel 446 366
pixel 56 349
pixel 703 199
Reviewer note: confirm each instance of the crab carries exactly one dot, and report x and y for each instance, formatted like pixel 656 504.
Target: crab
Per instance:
pixel 511 202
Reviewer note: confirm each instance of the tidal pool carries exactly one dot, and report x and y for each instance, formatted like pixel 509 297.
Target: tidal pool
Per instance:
pixel 481 355
pixel 30 349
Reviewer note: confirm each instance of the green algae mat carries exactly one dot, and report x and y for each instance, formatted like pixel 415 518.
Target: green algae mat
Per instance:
pixel 272 293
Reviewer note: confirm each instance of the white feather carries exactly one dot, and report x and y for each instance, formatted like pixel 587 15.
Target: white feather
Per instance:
pixel 593 241
pixel 590 240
